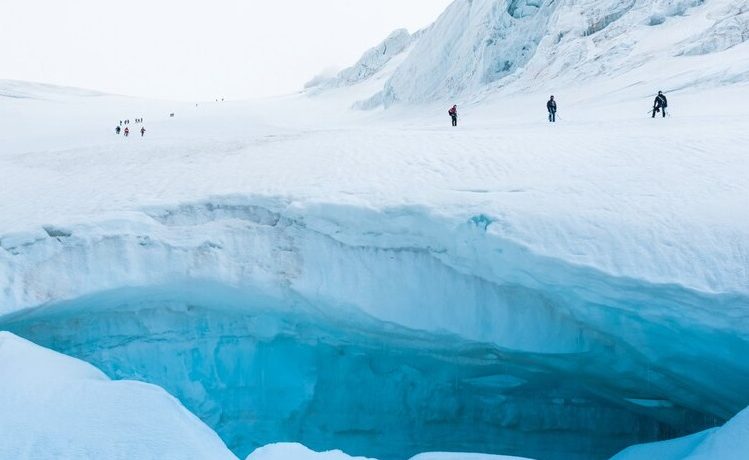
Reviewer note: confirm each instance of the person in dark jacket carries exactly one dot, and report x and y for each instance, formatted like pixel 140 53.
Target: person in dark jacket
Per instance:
pixel 117 130
pixel 453 112
pixel 551 106
pixel 660 104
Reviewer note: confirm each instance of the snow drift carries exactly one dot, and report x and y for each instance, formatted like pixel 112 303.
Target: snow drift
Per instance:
pixel 729 442
pixel 54 406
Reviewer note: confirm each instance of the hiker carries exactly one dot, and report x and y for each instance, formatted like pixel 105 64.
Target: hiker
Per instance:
pixel 127 131
pixel 117 130
pixel 142 131
pixel 453 112
pixel 660 104
pixel 551 106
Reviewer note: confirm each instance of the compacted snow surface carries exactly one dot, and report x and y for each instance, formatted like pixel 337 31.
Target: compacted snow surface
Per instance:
pixel 292 269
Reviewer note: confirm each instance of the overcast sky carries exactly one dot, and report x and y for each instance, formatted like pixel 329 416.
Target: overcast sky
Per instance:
pixel 195 49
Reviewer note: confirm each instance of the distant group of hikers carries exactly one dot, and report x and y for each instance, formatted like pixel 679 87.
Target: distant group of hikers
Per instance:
pixel 659 106
pixel 118 129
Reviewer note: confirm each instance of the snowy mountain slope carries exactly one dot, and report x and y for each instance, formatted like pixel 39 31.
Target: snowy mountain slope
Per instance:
pixel 54 406
pixel 371 63
pixel 476 47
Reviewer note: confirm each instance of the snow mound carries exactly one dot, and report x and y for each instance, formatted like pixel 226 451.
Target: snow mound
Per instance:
pixel 295 451
pixel 289 451
pixel 54 406
pixel 730 442
pixel 462 456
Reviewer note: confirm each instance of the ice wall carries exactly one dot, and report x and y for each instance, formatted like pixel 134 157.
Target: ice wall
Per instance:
pixel 377 339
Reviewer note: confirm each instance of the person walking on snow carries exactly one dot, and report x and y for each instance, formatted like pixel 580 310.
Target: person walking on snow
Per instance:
pixel 142 131
pixel 117 130
pixel 551 106
pixel 127 131
pixel 660 104
pixel 453 112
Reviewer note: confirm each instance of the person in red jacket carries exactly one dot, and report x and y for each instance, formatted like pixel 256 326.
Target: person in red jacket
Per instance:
pixel 453 112
pixel 127 131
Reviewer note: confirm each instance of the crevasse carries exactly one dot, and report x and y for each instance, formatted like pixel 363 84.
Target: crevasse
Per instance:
pixel 416 335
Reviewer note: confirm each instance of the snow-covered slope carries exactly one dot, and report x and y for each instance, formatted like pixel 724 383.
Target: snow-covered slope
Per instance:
pixel 53 406
pixel 580 254
pixel 730 442
pixel 581 270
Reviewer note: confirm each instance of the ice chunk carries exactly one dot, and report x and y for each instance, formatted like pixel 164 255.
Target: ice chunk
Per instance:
pixel 289 451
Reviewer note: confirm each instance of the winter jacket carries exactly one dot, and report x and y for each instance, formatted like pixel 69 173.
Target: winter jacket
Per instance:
pixel 551 106
pixel 660 101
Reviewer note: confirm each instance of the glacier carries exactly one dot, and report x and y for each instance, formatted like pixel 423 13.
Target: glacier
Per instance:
pixel 296 273
pixel 476 49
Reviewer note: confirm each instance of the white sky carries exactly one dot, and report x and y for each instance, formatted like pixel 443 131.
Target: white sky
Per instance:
pixel 195 49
